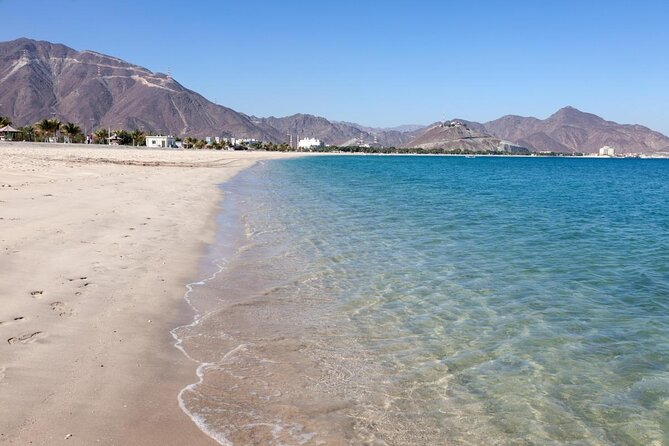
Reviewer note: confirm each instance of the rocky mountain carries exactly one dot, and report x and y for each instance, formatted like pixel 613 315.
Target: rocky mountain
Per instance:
pixel 571 130
pixel 40 80
pixel 334 132
pixel 457 135
pixel 310 126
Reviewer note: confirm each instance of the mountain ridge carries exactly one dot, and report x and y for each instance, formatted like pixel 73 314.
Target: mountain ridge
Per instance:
pixel 572 130
pixel 40 79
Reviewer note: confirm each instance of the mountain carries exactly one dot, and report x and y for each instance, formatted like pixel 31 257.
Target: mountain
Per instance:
pixel 571 130
pixel 40 80
pixel 335 132
pixel 310 126
pixel 457 135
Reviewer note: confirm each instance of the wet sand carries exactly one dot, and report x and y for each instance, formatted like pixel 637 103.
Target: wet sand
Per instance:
pixel 97 245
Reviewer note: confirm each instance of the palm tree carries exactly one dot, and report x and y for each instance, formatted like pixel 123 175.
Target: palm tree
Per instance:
pixel 72 130
pixel 47 126
pixel 126 138
pixel 5 121
pixel 27 133
pixel 101 135
pixel 43 127
pixel 138 137
pixel 55 126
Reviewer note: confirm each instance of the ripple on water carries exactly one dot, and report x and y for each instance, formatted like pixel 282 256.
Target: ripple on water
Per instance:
pixel 415 300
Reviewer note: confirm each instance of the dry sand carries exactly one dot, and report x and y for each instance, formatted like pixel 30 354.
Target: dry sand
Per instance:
pixel 97 245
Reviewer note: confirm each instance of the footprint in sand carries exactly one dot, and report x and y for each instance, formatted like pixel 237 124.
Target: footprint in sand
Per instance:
pixel 81 285
pixel 61 309
pixel 37 293
pixel 26 338
pixel 13 320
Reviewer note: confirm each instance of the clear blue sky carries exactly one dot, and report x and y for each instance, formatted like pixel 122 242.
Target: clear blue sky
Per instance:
pixel 383 63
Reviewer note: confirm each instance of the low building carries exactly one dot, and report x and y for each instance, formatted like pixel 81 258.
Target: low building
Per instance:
pixel 8 133
pixel 607 151
pixel 309 143
pixel 163 142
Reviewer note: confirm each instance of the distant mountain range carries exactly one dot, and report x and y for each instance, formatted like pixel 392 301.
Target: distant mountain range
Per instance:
pixel 40 79
pixel 571 130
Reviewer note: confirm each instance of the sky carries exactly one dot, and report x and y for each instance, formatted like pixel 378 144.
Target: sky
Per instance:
pixel 383 63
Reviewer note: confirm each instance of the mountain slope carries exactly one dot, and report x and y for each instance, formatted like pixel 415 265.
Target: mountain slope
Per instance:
pixel 571 130
pixel 334 132
pixel 457 135
pixel 40 80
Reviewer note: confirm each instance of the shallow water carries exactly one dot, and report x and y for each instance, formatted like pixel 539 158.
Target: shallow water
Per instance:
pixel 436 300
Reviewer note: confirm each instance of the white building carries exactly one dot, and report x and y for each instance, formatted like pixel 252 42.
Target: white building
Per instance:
pixel 160 142
pixel 239 141
pixel 607 151
pixel 309 143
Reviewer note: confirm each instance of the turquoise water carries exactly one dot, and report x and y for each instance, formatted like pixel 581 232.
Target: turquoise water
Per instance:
pixel 446 301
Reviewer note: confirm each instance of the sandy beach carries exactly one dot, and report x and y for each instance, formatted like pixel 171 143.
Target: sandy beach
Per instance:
pixel 97 245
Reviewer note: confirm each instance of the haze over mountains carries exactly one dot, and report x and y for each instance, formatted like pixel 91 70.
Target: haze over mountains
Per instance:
pixel 40 80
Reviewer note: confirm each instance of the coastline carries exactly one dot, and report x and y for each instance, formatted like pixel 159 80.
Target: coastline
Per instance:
pixel 98 244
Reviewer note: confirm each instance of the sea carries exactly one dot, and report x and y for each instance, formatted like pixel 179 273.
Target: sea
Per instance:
pixel 435 300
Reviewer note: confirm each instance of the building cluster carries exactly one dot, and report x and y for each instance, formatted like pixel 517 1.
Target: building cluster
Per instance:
pixel 309 143
pixel 607 151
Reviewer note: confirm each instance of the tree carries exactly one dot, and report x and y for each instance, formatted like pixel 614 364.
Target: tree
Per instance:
pixel 48 126
pixel 190 142
pixel 43 128
pixel 55 126
pixel 5 121
pixel 100 136
pixel 72 130
pixel 126 138
pixel 138 137
pixel 27 133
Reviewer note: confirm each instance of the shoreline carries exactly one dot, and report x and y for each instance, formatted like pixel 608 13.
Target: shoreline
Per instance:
pixel 98 244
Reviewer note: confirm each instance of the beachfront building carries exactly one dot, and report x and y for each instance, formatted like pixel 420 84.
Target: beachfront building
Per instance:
pixel 8 133
pixel 309 143
pixel 160 142
pixel 607 151
pixel 239 141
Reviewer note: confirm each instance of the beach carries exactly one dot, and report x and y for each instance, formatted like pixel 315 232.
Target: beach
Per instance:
pixel 98 244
